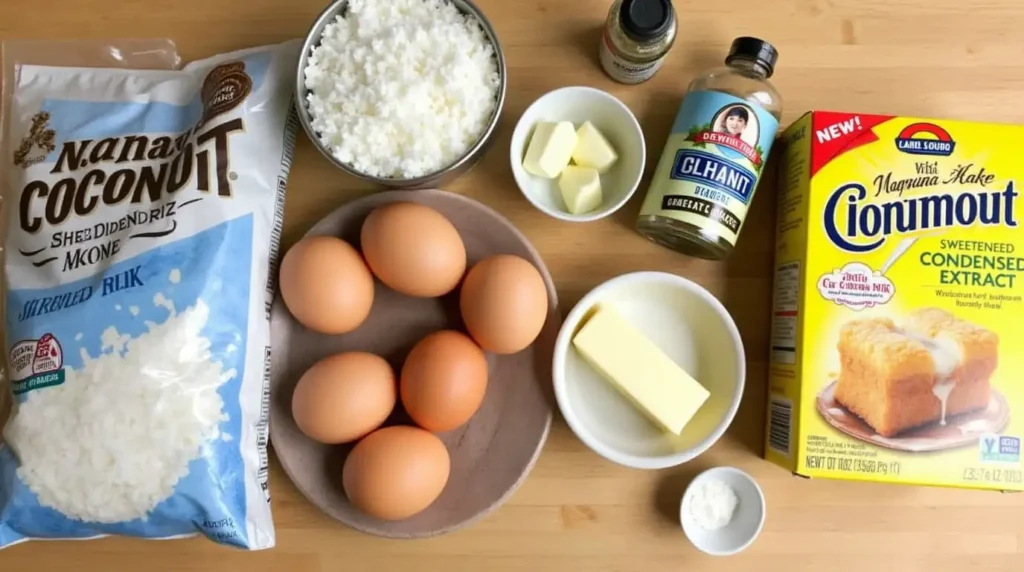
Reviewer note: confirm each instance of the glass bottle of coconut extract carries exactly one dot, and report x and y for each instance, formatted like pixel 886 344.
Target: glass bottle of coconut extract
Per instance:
pixel 707 174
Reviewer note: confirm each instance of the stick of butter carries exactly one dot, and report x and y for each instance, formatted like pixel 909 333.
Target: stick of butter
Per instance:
pixel 581 189
pixel 640 370
pixel 592 149
pixel 550 149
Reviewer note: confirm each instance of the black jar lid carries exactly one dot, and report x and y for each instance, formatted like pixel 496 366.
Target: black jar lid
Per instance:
pixel 646 20
pixel 754 49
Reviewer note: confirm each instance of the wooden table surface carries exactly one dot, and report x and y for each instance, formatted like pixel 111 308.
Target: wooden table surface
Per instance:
pixel 577 511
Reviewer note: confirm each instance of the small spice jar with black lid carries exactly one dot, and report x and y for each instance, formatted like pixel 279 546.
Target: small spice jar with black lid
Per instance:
pixel 637 36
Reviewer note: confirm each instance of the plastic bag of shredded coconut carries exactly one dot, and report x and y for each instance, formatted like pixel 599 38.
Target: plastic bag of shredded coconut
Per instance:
pixel 142 210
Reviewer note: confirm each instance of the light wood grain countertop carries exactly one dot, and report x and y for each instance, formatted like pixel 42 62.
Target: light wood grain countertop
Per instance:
pixel 576 511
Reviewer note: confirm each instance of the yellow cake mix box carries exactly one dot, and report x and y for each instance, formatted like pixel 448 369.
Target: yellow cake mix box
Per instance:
pixel 898 308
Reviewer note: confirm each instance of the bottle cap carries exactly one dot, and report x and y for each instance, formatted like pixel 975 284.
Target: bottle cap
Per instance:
pixel 754 49
pixel 645 20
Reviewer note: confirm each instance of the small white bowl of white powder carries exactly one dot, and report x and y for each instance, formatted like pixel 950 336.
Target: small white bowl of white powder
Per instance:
pixel 401 93
pixel 722 511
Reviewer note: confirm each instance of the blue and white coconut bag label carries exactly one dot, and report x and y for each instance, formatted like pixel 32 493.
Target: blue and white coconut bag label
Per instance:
pixel 143 211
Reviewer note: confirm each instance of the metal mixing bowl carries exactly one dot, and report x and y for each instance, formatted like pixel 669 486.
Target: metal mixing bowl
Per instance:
pixel 431 180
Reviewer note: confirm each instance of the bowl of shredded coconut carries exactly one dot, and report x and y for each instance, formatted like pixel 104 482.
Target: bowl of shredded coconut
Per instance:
pixel 401 93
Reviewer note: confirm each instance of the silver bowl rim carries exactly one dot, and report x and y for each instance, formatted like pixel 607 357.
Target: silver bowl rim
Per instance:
pixel 313 39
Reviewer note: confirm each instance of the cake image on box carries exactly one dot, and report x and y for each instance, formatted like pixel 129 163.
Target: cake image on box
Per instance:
pixel 930 367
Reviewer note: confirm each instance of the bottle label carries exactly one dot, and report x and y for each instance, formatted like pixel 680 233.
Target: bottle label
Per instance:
pixel 626 71
pixel 712 162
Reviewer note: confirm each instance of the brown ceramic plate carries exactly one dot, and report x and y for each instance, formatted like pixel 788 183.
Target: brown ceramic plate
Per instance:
pixel 959 431
pixel 494 451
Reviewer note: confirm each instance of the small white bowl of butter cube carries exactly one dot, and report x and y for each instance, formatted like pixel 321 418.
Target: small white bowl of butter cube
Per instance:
pixel 649 370
pixel 578 154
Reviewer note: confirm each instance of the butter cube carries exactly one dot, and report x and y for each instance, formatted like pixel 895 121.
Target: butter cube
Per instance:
pixel 581 189
pixel 550 149
pixel 640 370
pixel 593 150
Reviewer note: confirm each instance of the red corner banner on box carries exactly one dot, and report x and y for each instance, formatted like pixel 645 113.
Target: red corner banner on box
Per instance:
pixel 836 133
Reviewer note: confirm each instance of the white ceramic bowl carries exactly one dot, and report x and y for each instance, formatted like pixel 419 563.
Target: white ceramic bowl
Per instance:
pixel 612 118
pixel 693 328
pixel 747 520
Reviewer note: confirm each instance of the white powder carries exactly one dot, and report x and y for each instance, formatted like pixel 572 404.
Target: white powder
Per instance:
pixel 401 88
pixel 78 337
pixel 712 504
pixel 117 307
pixel 175 276
pixel 134 310
pixel 126 424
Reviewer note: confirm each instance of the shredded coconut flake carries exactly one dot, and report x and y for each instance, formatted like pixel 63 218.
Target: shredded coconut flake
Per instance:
pixel 161 301
pixel 401 88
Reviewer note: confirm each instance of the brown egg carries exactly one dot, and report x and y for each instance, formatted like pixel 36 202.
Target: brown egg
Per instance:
pixel 443 381
pixel 396 472
pixel 504 303
pixel 326 285
pixel 413 249
pixel 344 397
